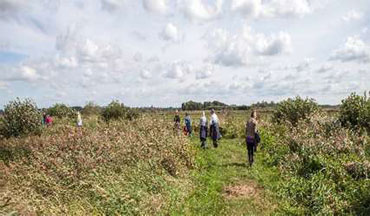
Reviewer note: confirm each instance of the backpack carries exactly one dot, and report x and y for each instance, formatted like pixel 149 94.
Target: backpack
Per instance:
pixel 257 137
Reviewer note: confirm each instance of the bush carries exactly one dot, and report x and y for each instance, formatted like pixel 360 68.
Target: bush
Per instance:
pixel 355 112
pixel 294 110
pixel 20 117
pixel 61 111
pixel 91 109
pixel 116 110
pixel 324 170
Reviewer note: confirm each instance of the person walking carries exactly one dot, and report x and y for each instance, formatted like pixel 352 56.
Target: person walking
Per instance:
pixel 214 128
pixel 79 119
pixel 203 130
pixel 49 120
pixel 188 124
pixel 44 118
pixel 251 130
pixel 177 121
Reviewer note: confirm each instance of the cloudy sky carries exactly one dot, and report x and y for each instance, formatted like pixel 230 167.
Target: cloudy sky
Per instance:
pixel 164 52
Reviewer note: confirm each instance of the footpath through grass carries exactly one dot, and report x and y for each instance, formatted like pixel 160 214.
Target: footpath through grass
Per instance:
pixel 226 185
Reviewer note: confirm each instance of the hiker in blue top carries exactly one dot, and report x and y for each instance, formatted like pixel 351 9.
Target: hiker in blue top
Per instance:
pixel 188 124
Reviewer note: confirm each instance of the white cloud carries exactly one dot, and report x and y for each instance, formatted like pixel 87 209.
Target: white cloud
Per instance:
pixel 247 8
pixel 273 44
pixel 352 15
pixel 177 70
pixel 170 33
pixel 10 8
pixel 66 62
pixel 205 72
pixel 145 74
pixel 109 51
pixel 287 8
pixel 29 74
pixel 197 10
pixel 112 5
pixel 306 64
pixel 235 49
pixel 354 49
pixel 3 85
pixel 325 68
pixel 156 6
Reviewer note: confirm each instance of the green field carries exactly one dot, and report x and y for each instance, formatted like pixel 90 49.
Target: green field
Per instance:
pixel 143 167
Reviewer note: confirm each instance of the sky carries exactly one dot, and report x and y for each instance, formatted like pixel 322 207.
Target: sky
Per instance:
pixel 164 52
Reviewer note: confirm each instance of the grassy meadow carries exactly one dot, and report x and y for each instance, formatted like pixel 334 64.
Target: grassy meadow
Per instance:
pixel 144 167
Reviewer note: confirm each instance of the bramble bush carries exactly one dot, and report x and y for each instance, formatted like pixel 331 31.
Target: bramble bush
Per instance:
pixel 20 117
pixel 293 110
pixel 327 168
pixel 354 111
pixel 61 111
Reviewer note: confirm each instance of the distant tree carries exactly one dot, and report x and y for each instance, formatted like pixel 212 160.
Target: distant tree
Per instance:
pixel 91 109
pixel 116 110
pixel 61 110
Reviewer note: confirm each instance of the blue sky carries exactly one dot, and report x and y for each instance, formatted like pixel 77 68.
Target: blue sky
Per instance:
pixel 164 52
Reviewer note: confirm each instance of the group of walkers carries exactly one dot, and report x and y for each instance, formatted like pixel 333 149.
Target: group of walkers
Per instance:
pixel 47 120
pixel 252 136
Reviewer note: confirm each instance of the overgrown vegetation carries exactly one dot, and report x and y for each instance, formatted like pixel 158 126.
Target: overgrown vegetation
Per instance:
pixel 124 168
pixel 116 110
pixel 20 117
pixel 294 110
pixel 354 112
pixel 91 109
pixel 308 163
pixel 325 167
pixel 61 111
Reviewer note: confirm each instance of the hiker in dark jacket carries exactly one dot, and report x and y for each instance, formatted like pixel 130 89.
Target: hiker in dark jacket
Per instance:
pixel 251 130
pixel 189 129
pixel 203 130
pixel 214 128
pixel 177 121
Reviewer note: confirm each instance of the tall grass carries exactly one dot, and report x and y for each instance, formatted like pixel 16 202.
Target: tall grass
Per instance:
pixel 136 167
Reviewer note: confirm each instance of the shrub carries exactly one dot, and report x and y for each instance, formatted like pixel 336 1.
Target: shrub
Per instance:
pixel 20 117
pixel 61 111
pixel 116 110
pixel 355 111
pixel 293 110
pixel 91 109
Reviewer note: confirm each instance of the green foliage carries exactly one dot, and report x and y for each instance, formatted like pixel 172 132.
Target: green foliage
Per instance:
pixel 322 166
pixel 294 110
pixel 116 110
pixel 21 117
pixel 61 111
pixel 191 105
pixel 91 109
pixel 355 111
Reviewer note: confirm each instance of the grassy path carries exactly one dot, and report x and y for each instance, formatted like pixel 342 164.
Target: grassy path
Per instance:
pixel 226 185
